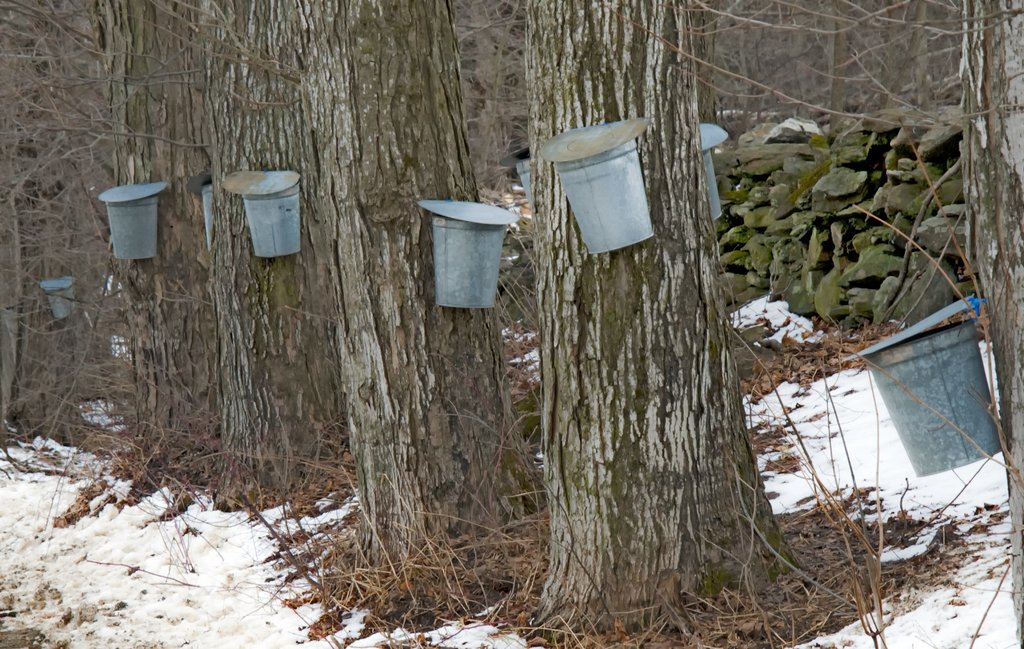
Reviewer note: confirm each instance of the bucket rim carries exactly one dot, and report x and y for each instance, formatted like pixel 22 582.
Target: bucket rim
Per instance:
pixel 515 157
pixel 922 327
pixel 56 283
pixel 711 135
pixel 919 336
pixel 129 193
pixel 589 141
pixel 199 181
pixel 470 212
pixel 260 183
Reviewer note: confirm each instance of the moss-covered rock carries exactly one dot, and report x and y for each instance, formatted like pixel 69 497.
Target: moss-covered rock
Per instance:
pixel 760 249
pixel 759 218
pixel 828 296
pixel 735 260
pixel 936 234
pixel 904 199
pixel 838 188
pixel 875 262
pixel 735 237
pixel 876 236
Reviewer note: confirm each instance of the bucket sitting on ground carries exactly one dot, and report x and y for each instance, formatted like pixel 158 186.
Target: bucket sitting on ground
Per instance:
pixel 271 209
pixel 132 211
pixel 520 161
pixel 467 251
pixel 600 171
pixel 934 386
pixel 711 135
pixel 60 291
pixel 201 185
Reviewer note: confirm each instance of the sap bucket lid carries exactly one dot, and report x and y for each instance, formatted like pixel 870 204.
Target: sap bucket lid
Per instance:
pixel 711 135
pixel 590 141
pixel 512 159
pixel 197 182
pixel 260 183
pixel 128 193
pixel 967 304
pixel 56 283
pixel 470 212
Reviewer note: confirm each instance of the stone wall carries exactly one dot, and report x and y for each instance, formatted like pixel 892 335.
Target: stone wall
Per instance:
pixel 824 221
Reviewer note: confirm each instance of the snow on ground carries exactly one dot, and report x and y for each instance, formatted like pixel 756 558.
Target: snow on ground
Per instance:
pixel 776 316
pixel 140 576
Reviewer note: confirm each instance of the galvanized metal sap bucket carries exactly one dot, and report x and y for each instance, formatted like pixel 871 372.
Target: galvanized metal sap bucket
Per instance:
pixel 60 291
pixel 520 160
pixel 711 135
pixel 132 211
pixel 933 384
pixel 600 171
pixel 202 185
pixel 271 209
pixel 467 251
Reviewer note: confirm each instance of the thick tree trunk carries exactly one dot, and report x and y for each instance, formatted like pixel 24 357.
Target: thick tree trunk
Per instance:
pixel 157 115
pixel 652 482
pixel 363 100
pixel 993 75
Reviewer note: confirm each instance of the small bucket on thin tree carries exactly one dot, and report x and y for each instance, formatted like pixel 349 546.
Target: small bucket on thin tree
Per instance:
pixel 60 292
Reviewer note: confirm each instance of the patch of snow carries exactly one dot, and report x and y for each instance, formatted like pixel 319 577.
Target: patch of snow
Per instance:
pixel 846 439
pixel 779 320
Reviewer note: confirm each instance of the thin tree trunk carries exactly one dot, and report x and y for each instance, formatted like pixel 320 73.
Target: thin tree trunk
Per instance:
pixel 993 75
pixel 837 69
pixel 363 99
pixel 652 482
pixel 157 113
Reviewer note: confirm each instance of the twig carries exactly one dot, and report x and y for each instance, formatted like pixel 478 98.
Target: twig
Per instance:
pixel 134 569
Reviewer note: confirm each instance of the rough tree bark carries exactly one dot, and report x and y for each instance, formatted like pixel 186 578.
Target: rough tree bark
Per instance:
pixel 157 116
pixel 363 99
pixel 652 482
pixel 993 76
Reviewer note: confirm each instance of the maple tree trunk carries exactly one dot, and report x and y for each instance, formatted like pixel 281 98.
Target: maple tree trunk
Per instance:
pixel 652 482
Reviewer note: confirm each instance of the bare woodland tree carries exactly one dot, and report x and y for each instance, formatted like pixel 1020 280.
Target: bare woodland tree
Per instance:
pixel 652 482
pixel 48 224
pixel 491 35
pixel 993 75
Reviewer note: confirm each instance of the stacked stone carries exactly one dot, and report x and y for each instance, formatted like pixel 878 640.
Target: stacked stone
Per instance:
pixel 824 222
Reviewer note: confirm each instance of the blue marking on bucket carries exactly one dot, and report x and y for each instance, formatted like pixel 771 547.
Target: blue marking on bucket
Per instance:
pixel 975 304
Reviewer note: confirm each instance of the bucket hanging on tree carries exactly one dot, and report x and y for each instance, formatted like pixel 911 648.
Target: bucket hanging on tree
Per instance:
pixel 60 292
pixel 520 161
pixel 934 386
pixel 132 212
pixel 600 171
pixel 467 251
pixel 711 135
pixel 271 209
pixel 201 185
